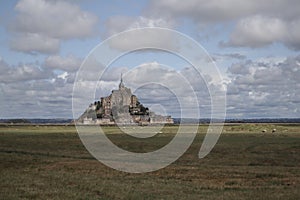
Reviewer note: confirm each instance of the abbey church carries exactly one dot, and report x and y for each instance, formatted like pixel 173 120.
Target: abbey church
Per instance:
pixel 121 107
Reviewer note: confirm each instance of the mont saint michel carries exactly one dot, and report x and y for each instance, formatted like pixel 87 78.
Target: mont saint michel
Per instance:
pixel 121 107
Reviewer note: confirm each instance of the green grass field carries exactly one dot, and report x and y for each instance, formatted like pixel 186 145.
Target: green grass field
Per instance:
pixel 50 162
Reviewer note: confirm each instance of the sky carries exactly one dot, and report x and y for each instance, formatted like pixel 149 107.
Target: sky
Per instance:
pixel 254 44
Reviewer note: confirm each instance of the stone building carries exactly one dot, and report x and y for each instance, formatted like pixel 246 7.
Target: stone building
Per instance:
pixel 121 107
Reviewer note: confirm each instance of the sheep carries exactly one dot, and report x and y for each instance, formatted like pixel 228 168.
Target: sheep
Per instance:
pixel 274 130
pixel 264 131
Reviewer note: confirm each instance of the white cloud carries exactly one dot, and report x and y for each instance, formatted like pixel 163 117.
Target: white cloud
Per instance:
pixel 33 43
pixel 63 75
pixel 113 74
pixel 30 90
pixel 49 20
pixel 117 24
pixel 257 89
pixel 215 11
pixel 58 19
pixel 22 72
pixel 157 84
pixel 39 98
pixel 257 23
pixel 144 38
pixel 258 31
pixel 69 63
pixel 239 68
pixel 264 89
pixel 292 39
pixel 220 57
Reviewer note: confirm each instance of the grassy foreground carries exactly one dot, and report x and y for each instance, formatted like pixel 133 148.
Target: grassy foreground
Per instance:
pixel 50 162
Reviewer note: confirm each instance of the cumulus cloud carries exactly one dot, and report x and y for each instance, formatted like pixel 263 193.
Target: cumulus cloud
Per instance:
pixel 30 90
pixel 216 11
pixel 157 84
pixel 113 74
pixel 257 88
pixel 40 98
pixel 22 72
pixel 51 21
pixel 239 68
pixel 58 19
pixel 117 24
pixel 220 57
pixel 144 38
pixel 256 23
pixel 258 31
pixel 265 89
pixel 69 63
pixel 32 43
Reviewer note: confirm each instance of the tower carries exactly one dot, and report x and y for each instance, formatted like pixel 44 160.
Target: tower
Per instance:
pixel 121 85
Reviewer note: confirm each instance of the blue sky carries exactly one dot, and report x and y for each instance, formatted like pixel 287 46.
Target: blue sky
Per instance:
pixel 255 45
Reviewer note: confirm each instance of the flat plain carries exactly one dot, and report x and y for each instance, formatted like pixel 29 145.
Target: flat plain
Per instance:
pixel 50 162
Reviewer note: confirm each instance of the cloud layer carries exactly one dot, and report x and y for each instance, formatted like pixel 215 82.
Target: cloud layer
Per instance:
pixel 265 89
pixel 40 25
pixel 256 23
pixel 43 35
pixel 255 88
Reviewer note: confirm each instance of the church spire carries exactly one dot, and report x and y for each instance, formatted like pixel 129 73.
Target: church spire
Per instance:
pixel 121 85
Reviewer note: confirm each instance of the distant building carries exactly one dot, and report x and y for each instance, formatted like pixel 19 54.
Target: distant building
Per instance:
pixel 121 107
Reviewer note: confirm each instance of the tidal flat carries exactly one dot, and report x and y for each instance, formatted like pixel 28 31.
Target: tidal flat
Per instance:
pixel 50 162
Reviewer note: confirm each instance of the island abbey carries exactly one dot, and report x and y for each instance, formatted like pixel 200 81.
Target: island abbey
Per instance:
pixel 121 107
